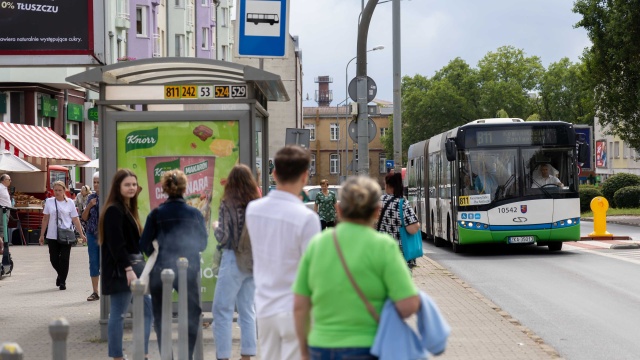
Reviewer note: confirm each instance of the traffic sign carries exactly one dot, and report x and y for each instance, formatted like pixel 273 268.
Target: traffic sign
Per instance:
pixel 263 28
pixel 389 164
pixel 372 89
pixel 353 130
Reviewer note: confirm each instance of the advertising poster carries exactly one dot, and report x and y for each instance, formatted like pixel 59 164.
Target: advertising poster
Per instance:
pixel 601 154
pixel 204 150
pixel 55 27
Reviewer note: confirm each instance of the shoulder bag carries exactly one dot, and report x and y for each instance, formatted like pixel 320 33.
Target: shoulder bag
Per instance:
pixel 367 303
pixel 65 236
pixel 411 243
pixel 244 257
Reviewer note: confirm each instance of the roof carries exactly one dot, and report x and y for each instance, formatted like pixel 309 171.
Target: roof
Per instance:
pixel 175 71
pixel 36 144
pixel 326 110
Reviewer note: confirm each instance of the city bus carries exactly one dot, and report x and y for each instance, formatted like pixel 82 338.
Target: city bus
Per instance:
pixel 481 183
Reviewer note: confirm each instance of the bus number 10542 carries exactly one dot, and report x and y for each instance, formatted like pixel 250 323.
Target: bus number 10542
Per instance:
pixel 508 209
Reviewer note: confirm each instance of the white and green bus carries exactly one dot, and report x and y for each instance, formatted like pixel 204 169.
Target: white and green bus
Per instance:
pixel 500 181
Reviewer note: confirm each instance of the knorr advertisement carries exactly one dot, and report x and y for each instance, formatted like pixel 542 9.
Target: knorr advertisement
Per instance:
pixel 204 150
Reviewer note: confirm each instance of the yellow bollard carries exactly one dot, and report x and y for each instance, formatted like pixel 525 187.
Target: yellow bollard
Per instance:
pixel 599 206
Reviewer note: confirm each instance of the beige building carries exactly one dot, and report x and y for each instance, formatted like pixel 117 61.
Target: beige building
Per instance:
pixel 332 149
pixel 612 154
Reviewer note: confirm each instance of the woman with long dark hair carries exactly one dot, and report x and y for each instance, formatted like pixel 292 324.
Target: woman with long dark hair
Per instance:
pixel 181 232
pixel 119 235
pixel 235 286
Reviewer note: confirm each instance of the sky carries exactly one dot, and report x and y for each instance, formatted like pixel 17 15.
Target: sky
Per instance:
pixel 433 33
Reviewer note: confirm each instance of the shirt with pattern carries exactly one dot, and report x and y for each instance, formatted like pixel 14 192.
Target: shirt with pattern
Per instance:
pixel 390 222
pixel 326 206
pixel 94 214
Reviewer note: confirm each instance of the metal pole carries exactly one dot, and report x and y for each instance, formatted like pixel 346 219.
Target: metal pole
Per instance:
pixel 59 331
pixel 363 116
pixel 198 352
pixel 11 351
pixel 346 116
pixel 166 352
pixel 397 95
pixel 183 310
pixel 137 288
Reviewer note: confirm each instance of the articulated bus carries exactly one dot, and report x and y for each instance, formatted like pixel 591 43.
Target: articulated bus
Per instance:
pixel 481 183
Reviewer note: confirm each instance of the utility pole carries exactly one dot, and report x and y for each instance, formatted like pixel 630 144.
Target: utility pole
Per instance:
pixel 362 88
pixel 397 95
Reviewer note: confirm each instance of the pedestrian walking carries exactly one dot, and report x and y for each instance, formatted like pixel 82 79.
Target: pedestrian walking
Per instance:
pixel 81 204
pixel 235 286
pixel 280 227
pixel 59 212
pixel 331 317
pixel 5 199
pixel 181 232
pixel 119 235
pixel 389 221
pixel 91 215
pixel 326 205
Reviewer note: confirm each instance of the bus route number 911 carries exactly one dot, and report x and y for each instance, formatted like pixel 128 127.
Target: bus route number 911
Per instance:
pixel 507 209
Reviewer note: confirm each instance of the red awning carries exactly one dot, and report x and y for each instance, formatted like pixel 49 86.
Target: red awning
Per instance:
pixel 38 144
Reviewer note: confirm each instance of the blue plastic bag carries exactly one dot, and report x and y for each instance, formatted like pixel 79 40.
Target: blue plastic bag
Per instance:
pixel 411 243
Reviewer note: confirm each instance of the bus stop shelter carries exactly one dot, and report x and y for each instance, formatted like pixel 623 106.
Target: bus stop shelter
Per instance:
pixel 197 115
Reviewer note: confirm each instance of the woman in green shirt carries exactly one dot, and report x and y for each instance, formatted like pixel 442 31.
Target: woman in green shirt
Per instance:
pixel 342 325
pixel 326 205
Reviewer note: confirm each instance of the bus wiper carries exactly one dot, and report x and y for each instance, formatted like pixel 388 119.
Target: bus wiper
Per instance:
pixel 502 189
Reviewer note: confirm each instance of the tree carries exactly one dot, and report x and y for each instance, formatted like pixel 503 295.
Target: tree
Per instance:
pixel 613 62
pixel 566 94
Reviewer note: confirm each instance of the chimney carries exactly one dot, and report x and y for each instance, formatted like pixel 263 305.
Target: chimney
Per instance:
pixel 324 96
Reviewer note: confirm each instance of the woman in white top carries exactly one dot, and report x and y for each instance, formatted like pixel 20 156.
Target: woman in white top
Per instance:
pixel 59 253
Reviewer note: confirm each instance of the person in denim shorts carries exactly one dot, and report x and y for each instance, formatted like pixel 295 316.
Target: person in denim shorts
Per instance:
pixel 90 215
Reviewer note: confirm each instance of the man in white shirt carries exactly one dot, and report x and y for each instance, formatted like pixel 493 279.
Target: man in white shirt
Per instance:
pixel 542 177
pixel 280 227
pixel 5 199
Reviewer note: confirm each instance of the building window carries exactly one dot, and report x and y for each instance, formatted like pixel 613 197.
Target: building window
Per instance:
pixel 312 165
pixel 312 131
pixel 179 45
pixel 73 133
pixel 179 3
pixel 616 149
pixel 610 147
pixel 383 131
pixel 224 52
pixel 205 38
pixel 224 17
pixel 334 131
pixel 334 163
pixel 43 121
pixel 205 3
pixel 383 163
pixel 141 21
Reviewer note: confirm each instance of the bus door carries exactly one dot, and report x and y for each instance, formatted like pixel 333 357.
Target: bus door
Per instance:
pixel 439 193
pixel 420 194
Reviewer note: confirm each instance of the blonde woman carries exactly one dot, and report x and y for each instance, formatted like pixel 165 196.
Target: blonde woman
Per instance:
pixel 59 211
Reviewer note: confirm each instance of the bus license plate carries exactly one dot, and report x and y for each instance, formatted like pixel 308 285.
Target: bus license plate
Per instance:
pixel 522 239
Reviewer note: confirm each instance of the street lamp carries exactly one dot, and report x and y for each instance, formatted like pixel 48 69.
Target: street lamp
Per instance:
pixel 346 115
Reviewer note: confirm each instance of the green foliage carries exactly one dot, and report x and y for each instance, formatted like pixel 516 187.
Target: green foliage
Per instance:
pixel 628 197
pixel 502 114
pixel 617 182
pixel 533 117
pixel 613 63
pixel 587 193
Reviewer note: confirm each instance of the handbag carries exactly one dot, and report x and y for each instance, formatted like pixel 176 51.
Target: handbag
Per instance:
pixel 244 257
pixel 367 303
pixel 65 236
pixel 137 263
pixel 411 243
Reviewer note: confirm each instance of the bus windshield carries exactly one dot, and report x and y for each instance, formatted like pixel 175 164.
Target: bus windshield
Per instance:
pixel 506 173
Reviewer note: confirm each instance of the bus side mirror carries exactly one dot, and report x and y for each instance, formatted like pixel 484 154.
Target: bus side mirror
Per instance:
pixel 583 153
pixel 450 149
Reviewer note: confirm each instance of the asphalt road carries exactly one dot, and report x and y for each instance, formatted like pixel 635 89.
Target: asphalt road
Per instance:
pixel 583 302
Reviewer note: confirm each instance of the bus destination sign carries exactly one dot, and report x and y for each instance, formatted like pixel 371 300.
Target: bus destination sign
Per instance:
pixel 510 137
pixel 205 92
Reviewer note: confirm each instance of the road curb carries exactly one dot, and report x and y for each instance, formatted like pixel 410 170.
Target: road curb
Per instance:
pixel 625 246
pixel 553 353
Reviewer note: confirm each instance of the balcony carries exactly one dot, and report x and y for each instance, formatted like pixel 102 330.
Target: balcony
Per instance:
pixel 122 14
pixel 324 96
pixel 157 48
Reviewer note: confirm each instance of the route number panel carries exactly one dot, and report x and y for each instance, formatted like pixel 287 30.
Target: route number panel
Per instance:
pixel 205 91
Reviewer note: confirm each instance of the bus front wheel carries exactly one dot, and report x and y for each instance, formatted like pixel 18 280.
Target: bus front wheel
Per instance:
pixel 555 246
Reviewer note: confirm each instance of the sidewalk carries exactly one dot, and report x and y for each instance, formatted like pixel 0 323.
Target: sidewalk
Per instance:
pixel 29 300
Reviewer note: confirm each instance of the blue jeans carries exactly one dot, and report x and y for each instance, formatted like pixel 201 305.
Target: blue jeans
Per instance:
pixel 316 353
pixel 233 288
pixel 94 255
pixel 115 328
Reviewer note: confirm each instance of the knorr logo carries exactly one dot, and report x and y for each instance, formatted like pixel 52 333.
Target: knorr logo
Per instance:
pixel 141 139
pixel 196 168
pixel 161 168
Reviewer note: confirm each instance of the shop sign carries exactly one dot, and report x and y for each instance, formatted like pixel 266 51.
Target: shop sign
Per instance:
pixel 75 112
pixel 92 114
pixel 49 107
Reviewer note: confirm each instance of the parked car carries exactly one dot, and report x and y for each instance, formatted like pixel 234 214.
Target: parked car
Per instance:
pixel 313 190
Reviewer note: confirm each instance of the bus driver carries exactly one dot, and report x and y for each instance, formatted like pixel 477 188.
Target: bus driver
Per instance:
pixel 541 177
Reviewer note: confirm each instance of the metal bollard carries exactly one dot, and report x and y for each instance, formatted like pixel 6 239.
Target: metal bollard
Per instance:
pixel 137 288
pixel 166 346
pixel 59 330
pixel 198 352
pixel 11 351
pixel 183 310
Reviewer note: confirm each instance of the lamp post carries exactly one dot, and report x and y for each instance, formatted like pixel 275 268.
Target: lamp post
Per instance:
pixel 346 115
